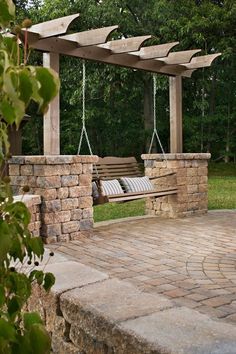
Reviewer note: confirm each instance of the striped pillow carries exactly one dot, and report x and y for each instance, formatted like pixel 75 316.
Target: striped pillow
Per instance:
pixel 137 184
pixel 111 187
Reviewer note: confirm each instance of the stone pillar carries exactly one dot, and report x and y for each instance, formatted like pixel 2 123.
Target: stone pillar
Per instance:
pixel 191 178
pixel 65 186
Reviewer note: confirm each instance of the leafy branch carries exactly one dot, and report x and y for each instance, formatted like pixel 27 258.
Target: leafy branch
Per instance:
pixel 19 85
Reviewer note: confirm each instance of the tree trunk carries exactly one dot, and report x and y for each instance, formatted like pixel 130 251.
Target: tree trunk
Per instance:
pixel 227 144
pixel 212 111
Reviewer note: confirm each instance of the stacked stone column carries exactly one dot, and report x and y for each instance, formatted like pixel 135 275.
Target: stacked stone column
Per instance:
pixel 191 179
pixel 65 186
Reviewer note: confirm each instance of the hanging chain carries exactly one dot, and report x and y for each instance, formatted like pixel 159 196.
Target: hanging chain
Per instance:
pixel 84 130
pixel 155 133
pixel 154 102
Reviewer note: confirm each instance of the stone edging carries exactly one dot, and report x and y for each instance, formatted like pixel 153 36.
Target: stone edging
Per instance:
pixel 53 159
pixel 182 156
pixel 91 313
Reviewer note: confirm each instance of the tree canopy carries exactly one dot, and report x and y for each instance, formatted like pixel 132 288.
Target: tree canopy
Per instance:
pixel 119 101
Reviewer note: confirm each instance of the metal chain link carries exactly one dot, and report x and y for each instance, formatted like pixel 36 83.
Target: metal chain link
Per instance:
pixel 84 130
pixel 155 133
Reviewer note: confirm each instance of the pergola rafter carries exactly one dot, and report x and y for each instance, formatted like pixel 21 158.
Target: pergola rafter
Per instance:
pixel 53 39
pixel 51 36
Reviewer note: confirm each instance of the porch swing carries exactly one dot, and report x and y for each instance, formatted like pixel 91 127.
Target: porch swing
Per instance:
pixel 119 179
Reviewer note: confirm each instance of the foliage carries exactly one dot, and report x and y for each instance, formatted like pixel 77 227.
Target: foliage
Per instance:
pixel 19 85
pixel 115 97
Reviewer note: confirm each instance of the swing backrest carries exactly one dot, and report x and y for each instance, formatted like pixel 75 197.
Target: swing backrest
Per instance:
pixel 115 167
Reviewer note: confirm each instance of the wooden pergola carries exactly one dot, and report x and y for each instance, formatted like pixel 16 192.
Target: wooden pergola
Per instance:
pixel 52 39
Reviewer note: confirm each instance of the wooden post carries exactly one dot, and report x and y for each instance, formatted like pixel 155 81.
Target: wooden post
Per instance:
pixel 176 121
pixel 51 129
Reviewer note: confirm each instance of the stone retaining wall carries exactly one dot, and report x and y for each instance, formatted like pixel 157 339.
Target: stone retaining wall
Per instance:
pixel 90 313
pixel 191 178
pixel 33 204
pixel 64 184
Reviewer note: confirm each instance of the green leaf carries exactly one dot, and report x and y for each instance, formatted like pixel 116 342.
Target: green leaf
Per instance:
pixel 7 330
pixel 49 281
pixel 31 318
pixel 4 142
pixel 13 306
pixel 11 89
pixel 7 13
pixel 11 46
pixel 4 346
pixel 36 244
pixel 40 340
pixel 20 286
pixel 39 276
pixel 5 240
pixel 17 250
pixel 49 85
pixel 2 295
pixel 25 86
pixel 19 211
pixel 8 112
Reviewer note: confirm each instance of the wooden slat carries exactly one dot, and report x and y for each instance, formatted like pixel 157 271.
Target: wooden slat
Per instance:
pixel 180 57
pixel 202 61
pixel 83 45
pixel 91 37
pixel 155 51
pixel 187 73
pixel 130 196
pixel 115 176
pixel 125 45
pixel 53 27
pixel 121 172
pixel 95 53
pixel 111 167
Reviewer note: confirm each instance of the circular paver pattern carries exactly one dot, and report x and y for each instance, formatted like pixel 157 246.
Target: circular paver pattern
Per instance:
pixel 191 261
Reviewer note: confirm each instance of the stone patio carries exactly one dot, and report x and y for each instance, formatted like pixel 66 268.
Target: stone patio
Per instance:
pixel 191 261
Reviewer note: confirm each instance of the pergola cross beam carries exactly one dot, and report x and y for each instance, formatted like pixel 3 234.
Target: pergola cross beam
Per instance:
pixel 91 37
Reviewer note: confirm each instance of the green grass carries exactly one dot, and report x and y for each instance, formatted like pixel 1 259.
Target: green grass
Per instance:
pixel 221 193
pixel 111 211
pixel 222 186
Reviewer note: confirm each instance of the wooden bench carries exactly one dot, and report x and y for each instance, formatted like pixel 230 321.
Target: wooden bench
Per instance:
pixel 109 168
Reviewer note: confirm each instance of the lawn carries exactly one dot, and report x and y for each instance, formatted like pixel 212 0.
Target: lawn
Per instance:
pixel 222 195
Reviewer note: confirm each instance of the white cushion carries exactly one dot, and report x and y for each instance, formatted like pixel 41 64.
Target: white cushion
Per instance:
pixel 111 187
pixel 137 184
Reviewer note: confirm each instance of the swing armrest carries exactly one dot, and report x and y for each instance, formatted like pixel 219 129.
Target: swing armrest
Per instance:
pixel 165 175
pixel 101 198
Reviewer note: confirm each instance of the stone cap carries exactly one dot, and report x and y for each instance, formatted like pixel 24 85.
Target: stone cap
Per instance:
pixel 28 199
pixel 178 156
pixel 52 159
pixel 118 314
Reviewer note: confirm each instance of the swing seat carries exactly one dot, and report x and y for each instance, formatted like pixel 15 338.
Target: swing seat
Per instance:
pixel 115 169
